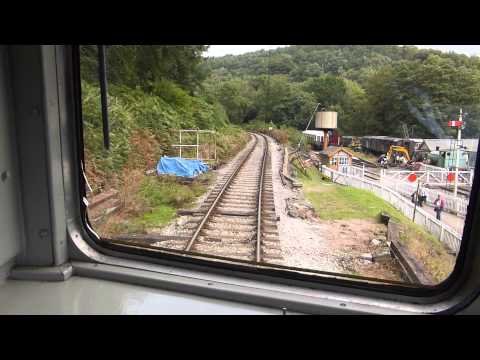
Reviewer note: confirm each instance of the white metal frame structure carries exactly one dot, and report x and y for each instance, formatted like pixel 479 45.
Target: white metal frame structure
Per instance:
pixel 197 146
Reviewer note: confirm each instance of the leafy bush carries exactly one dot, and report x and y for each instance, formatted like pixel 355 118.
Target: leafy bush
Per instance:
pixel 133 109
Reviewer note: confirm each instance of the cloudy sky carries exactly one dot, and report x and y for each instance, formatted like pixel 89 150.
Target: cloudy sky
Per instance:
pixel 220 50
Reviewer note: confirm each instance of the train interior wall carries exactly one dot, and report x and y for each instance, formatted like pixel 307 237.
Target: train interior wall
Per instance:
pixel 10 216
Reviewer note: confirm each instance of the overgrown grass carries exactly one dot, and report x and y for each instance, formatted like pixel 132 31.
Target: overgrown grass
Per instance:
pixel 163 196
pixel 157 217
pixel 336 202
pixel 157 191
pixel 230 141
pixel 154 218
pixel 157 201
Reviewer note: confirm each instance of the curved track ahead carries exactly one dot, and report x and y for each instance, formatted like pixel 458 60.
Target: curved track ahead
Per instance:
pixel 240 218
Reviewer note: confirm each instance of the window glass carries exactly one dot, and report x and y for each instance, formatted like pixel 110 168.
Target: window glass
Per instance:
pixel 225 157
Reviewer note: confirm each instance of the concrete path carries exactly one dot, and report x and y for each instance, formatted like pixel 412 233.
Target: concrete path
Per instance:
pixel 455 222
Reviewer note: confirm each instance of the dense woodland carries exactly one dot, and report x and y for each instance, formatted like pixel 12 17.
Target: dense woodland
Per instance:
pixel 374 88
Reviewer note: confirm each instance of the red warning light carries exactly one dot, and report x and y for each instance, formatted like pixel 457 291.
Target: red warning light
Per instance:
pixel 412 178
pixel 451 177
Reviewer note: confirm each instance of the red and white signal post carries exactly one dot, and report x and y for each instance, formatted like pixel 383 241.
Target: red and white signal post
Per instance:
pixel 459 125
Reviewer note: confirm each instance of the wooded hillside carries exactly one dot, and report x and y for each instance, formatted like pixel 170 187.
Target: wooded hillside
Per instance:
pixel 373 87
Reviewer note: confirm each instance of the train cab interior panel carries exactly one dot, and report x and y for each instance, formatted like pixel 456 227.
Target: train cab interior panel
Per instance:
pixel 52 262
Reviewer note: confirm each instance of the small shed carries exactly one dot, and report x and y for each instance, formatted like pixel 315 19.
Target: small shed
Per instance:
pixel 441 152
pixel 336 158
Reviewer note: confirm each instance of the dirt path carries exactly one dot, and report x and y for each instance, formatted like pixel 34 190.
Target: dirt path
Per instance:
pixel 304 244
pixel 330 246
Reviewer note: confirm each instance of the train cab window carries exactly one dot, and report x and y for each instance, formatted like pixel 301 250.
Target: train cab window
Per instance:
pixel 171 167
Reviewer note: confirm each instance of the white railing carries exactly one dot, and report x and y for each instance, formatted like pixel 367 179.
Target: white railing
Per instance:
pixel 426 167
pixel 438 229
pixel 455 205
pixel 361 171
pixel 432 177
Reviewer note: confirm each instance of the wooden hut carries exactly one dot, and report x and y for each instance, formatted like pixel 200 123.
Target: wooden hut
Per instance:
pixel 336 158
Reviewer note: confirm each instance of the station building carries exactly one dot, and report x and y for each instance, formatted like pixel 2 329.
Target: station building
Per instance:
pixel 336 158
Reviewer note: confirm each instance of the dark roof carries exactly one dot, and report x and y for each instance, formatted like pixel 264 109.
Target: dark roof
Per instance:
pixel 448 144
pixel 332 150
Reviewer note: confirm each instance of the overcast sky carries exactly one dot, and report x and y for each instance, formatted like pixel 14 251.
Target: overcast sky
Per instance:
pixel 221 50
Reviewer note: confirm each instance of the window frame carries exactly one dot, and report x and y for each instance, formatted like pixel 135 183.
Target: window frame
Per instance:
pixel 86 247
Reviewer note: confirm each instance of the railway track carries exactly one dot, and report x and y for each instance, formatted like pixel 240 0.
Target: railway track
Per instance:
pixel 372 175
pixel 368 164
pixel 237 220
pixel 238 217
pixel 461 191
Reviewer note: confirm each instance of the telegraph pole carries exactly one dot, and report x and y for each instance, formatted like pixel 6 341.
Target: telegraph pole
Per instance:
pixel 268 116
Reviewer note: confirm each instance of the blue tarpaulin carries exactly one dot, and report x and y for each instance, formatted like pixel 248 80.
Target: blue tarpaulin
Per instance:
pixel 181 167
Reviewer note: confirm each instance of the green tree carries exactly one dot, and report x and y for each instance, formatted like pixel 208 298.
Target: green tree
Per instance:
pixel 328 90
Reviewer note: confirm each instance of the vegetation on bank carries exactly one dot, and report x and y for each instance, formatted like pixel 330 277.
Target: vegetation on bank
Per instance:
pixel 285 135
pixel 143 129
pixel 153 93
pixel 336 202
pixel 138 119
pixel 154 204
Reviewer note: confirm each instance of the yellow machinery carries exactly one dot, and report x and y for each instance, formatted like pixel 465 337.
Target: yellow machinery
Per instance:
pixel 400 150
pixel 396 155
pixel 356 144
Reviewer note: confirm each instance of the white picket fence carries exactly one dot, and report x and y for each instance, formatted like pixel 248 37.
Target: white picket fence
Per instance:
pixel 441 231
pixel 432 177
pixel 454 205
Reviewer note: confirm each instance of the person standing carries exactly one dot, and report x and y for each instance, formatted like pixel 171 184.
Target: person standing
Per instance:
pixel 439 205
pixel 423 197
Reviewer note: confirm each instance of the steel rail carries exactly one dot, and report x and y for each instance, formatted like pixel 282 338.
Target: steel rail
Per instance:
pixel 260 198
pixel 218 197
